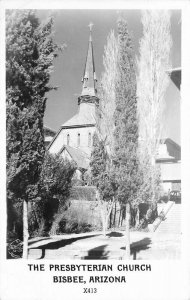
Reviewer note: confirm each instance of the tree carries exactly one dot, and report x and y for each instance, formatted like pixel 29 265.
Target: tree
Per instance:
pixel 125 159
pixel 107 90
pixel 30 51
pixel 103 142
pixel 153 63
pixel 102 178
pixel 53 188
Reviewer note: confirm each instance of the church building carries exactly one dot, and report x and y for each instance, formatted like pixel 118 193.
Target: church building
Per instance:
pixel 74 138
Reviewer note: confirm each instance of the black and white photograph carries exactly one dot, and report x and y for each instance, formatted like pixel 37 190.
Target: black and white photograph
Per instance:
pixel 93 165
pixel 93 142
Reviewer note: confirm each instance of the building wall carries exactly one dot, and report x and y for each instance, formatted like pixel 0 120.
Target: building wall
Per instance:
pixel 88 109
pixel 170 176
pixel 72 134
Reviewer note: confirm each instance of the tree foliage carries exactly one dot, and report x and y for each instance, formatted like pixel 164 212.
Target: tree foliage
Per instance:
pixel 30 51
pixel 107 91
pixel 55 178
pixel 102 177
pixel 126 126
pixel 101 168
pixel 53 190
pixel 153 64
pixel 153 80
pixel 101 171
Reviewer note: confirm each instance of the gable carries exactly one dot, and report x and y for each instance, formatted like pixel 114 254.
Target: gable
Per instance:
pixel 77 155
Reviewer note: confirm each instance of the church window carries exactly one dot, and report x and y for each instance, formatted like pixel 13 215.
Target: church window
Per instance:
pixel 89 139
pixel 68 139
pixel 78 140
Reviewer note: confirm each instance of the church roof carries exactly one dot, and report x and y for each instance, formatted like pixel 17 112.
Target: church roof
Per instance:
pixel 80 119
pixel 175 75
pixel 89 76
pixel 81 158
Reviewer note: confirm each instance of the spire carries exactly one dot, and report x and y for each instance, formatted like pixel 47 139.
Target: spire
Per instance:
pixel 89 76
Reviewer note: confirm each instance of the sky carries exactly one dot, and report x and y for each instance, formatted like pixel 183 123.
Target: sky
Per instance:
pixel 71 28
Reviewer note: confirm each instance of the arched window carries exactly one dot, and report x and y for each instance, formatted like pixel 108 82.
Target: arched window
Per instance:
pixel 78 140
pixel 89 139
pixel 68 139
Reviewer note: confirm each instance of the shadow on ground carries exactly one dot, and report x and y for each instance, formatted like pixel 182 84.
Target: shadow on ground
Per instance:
pixel 138 246
pixel 115 234
pixel 59 244
pixel 97 253
pixel 42 239
pixel 100 252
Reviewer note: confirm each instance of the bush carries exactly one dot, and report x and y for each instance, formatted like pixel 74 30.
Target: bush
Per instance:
pixel 76 219
pixel 48 196
pixel 53 192
pixel 87 193
pixel 15 220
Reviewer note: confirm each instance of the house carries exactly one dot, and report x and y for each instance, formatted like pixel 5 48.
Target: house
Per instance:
pixel 169 159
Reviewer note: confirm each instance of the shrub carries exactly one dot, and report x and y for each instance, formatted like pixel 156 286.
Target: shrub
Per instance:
pixel 77 218
pixel 83 193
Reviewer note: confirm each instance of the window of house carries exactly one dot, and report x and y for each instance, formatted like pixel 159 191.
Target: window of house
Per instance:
pixel 89 139
pixel 78 140
pixel 68 139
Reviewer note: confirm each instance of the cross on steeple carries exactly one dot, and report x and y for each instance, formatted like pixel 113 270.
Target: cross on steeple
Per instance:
pixel 90 26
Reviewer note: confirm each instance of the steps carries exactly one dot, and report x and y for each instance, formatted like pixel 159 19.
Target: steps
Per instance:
pixel 172 223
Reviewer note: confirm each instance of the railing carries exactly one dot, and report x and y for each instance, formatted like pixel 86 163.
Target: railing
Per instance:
pixel 161 217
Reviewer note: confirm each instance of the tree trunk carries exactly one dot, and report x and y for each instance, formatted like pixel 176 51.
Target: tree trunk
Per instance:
pixel 105 211
pixel 115 211
pixel 137 218
pixel 25 229
pixel 103 220
pixel 110 219
pixel 104 228
pixel 127 252
pixel 119 217
pixel 105 214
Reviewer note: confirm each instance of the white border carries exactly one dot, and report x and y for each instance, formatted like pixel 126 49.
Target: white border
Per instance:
pixel 168 279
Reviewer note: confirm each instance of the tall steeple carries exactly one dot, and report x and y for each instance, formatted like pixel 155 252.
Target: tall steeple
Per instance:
pixel 89 80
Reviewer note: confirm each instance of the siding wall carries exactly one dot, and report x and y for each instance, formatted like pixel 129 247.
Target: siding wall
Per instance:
pixel 73 139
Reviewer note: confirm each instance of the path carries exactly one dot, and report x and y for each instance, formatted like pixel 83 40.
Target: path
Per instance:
pixel 144 245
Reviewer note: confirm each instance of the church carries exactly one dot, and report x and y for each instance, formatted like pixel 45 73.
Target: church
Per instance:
pixel 74 138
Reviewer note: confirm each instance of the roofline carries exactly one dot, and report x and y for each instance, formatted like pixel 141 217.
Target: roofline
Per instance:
pixel 48 128
pixel 166 160
pixel 174 69
pixel 54 139
pixel 67 127
pixel 171 180
pixel 67 148
pixel 171 142
pixel 77 126
pixel 163 140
